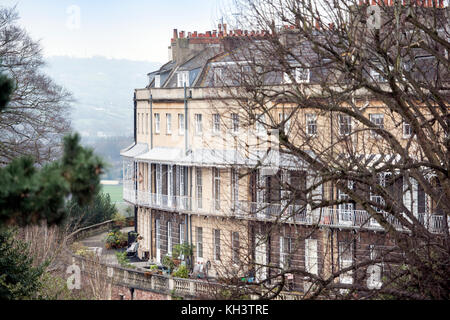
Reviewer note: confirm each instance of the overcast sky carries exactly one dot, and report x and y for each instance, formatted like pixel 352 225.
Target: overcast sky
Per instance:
pixel 131 29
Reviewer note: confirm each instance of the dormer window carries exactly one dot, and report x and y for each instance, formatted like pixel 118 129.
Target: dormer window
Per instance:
pixel 157 81
pixel 183 78
pixel 301 75
pixel 375 74
pixel 217 76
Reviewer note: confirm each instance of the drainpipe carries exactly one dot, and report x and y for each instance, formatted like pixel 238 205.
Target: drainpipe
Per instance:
pixel 150 168
pixel 135 113
pixel 186 122
pixel 190 234
pixel 134 162
pixel 151 235
pixel 135 218
pixel 151 120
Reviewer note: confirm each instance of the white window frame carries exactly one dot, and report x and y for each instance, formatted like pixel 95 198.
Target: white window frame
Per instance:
pixel 198 124
pixel 158 81
pixel 158 239
pixel 282 117
pixel 374 271
pixel 216 123
pixel 139 126
pixel 345 124
pixel 217 76
pixel 346 210
pixel 378 120
pixel 199 187
pixel 406 130
pixel 169 238
pixel 285 251
pixel 311 124
pixel 261 256
pixel 345 254
pixel 182 239
pixel 168 123
pixel 311 256
pixel 146 123
pixel 216 188
pixel 157 123
pixel 381 180
pixel 182 79
pixel 216 239
pixel 181 124
pixel 375 75
pixel 199 241
pixel 259 124
pixel 235 122
pixel 235 246
pixel 234 187
pixel 301 75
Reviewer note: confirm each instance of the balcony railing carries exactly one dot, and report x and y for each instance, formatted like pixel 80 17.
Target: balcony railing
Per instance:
pixel 340 218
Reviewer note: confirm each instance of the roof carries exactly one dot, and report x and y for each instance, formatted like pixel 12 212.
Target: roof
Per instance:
pixel 134 150
pixel 162 154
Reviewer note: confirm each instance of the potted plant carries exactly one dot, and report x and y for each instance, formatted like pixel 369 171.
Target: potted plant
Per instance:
pixel 182 250
pixel 168 263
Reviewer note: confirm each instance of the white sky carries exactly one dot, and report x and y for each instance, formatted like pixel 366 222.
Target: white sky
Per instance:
pixel 132 29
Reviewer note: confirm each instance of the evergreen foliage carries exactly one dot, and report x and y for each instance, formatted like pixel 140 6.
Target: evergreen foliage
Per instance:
pixel 30 194
pixel 6 89
pixel 100 209
pixel 19 279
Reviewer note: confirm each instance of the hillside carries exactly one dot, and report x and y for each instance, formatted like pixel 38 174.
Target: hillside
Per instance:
pixel 103 90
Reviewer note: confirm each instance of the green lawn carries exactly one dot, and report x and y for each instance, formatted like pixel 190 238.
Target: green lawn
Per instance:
pixel 115 192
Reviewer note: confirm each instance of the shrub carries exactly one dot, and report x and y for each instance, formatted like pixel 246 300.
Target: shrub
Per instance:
pixel 119 219
pixel 168 263
pixel 116 240
pixel 123 260
pixel 181 272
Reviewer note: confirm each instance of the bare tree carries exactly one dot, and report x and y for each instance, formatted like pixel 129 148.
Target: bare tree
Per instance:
pixel 37 115
pixel 358 96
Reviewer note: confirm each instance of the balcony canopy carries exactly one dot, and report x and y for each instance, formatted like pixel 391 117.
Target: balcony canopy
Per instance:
pixel 162 155
pixel 214 158
pixel 134 150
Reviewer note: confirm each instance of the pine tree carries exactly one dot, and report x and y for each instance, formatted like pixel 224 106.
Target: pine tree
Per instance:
pixel 30 194
pixel 6 89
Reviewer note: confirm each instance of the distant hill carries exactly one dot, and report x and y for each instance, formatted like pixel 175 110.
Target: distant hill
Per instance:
pixel 103 89
pixel 109 149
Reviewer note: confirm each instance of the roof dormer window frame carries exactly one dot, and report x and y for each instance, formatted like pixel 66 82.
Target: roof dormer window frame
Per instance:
pixel 302 74
pixel 183 78
pixel 157 81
